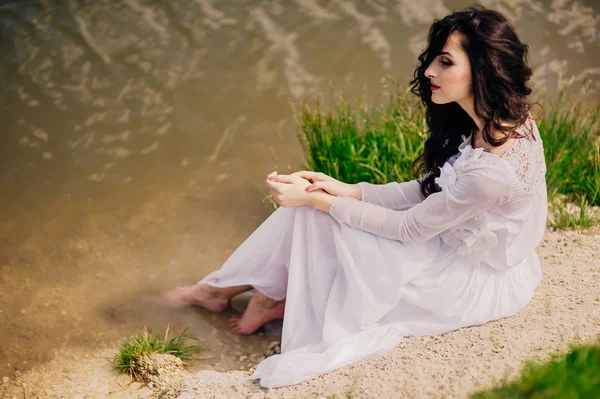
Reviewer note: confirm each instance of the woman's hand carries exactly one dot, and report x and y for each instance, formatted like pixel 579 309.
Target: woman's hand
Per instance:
pixel 290 190
pixel 320 181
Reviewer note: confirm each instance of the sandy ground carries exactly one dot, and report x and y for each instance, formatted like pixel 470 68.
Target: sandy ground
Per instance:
pixel 565 310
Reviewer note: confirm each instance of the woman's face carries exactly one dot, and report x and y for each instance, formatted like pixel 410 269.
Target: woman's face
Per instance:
pixel 450 71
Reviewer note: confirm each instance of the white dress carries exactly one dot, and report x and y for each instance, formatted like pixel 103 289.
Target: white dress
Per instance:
pixel 395 264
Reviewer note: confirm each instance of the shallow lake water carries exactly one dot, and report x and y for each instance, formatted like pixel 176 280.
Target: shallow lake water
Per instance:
pixel 136 137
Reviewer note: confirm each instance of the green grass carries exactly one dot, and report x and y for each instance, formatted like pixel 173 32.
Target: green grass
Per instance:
pixel 571 135
pixel 379 143
pixel 573 375
pixel 132 349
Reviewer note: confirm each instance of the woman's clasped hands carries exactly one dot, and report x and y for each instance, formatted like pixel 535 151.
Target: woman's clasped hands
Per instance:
pixel 307 188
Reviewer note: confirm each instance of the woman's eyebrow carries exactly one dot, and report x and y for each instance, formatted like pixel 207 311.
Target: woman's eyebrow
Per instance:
pixel 446 53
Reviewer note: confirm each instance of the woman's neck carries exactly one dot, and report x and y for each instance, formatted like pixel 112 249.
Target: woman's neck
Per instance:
pixel 477 141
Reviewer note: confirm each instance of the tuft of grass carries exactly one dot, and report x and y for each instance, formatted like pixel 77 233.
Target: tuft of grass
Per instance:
pixel 572 375
pixel 570 215
pixel 133 348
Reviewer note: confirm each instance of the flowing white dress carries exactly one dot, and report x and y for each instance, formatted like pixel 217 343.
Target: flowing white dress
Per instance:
pixel 359 279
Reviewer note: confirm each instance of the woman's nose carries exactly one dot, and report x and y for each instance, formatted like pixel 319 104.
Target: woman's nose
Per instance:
pixel 429 72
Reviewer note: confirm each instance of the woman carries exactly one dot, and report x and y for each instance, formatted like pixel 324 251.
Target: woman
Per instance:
pixel 357 267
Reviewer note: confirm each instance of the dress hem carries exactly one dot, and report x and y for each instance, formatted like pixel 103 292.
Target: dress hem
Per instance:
pixel 216 285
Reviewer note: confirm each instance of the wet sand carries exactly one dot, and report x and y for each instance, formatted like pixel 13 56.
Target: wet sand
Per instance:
pixel 564 310
pixel 87 277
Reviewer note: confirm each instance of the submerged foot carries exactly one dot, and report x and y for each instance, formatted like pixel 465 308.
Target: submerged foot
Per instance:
pixel 197 295
pixel 260 310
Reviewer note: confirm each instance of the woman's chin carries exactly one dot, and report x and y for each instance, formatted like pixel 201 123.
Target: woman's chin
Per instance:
pixel 439 100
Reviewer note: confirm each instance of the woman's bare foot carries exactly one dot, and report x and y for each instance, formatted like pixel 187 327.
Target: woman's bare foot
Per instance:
pixel 199 295
pixel 260 310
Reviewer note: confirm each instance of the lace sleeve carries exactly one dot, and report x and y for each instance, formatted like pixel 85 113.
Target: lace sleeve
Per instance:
pixel 526 157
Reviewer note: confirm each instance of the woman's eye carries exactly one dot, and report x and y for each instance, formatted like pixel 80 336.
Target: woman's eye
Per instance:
pixel 445 63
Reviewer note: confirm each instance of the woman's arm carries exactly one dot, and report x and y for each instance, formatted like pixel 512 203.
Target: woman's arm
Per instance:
pixel 476 189
pixel 397 196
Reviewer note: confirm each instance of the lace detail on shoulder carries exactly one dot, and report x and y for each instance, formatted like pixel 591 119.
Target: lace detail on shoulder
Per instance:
pixel 526 156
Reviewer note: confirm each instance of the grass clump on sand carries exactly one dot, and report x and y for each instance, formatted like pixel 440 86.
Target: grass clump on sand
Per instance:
pixel 565 213
pixel 378 144
pixel 131 350
pixel 572 375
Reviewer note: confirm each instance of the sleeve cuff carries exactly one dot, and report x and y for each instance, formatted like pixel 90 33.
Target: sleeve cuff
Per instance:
pixel 332 208
pixel 341 208
pixel 364 189
pixel 336 209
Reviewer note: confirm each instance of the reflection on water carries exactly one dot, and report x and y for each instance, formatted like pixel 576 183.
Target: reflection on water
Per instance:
pixel 137 135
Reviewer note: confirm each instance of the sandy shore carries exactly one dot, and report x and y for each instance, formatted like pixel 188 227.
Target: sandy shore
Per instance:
pixel 565 310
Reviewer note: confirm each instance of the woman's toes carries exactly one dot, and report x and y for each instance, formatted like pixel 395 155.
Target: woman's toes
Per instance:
pixel 238 326
pixel 234 324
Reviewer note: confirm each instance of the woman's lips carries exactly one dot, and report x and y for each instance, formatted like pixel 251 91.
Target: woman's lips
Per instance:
pixel 434 87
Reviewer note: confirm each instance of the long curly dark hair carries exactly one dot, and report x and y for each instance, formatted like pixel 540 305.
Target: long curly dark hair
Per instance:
pixel 499 70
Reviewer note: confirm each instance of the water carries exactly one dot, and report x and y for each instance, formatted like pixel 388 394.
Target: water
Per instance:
pixel 136 136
